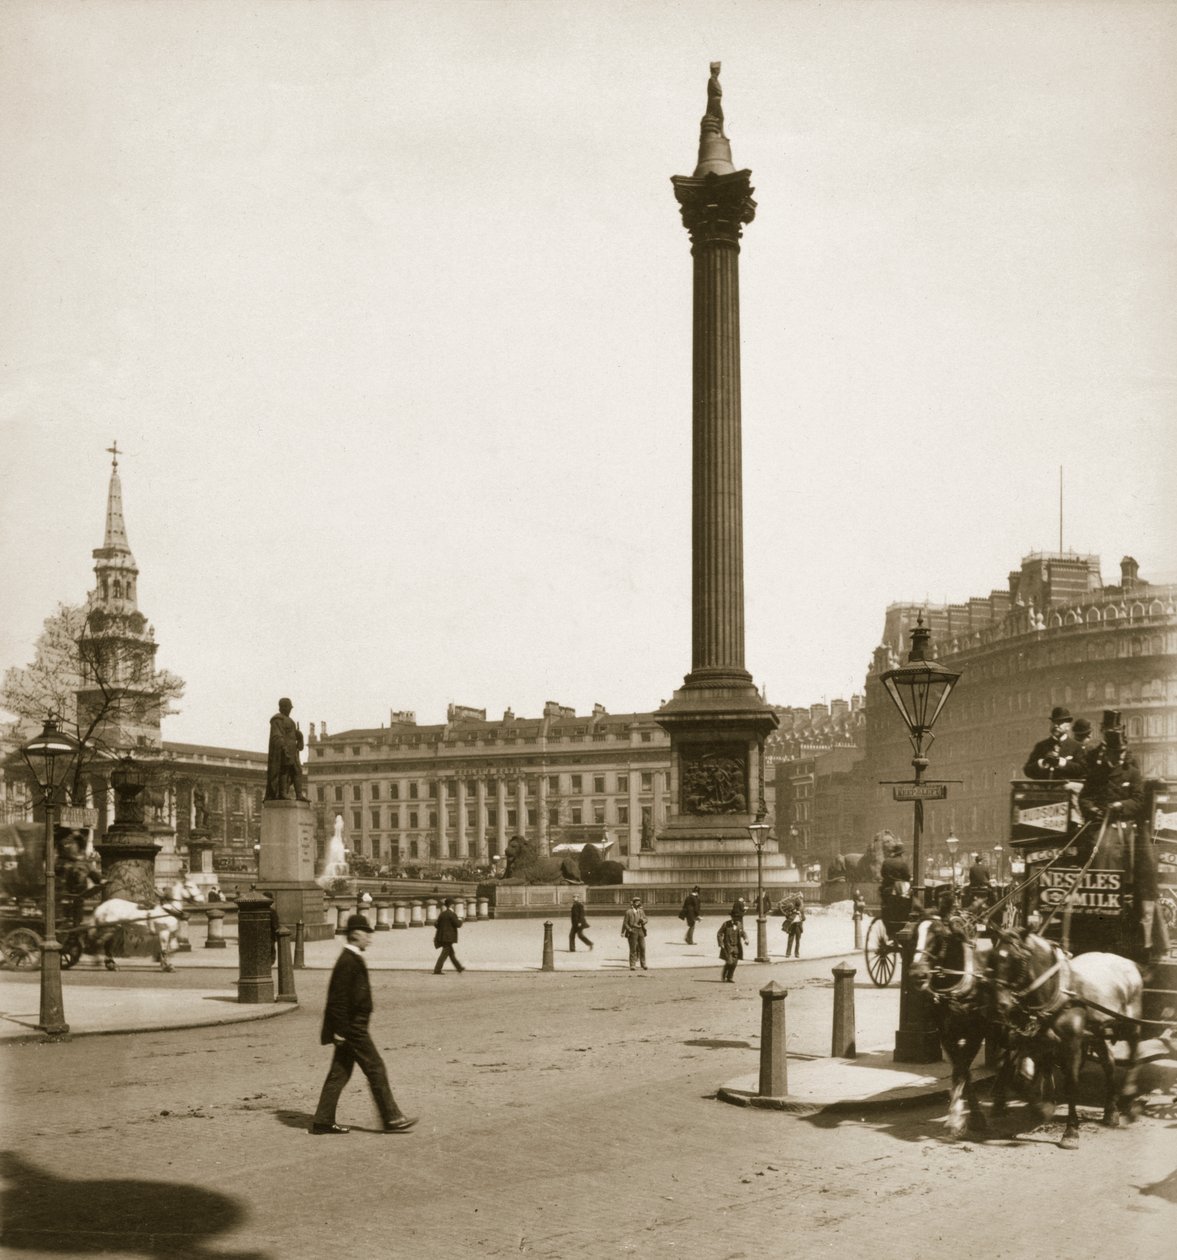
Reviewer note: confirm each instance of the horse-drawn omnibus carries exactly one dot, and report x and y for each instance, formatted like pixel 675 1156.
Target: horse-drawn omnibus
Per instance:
pixel 1081 883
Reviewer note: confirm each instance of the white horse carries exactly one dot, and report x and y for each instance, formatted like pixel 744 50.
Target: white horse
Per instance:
pixel 161 922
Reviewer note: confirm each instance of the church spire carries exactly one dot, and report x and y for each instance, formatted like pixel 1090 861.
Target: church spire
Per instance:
pixel 115 569
pixel 116 529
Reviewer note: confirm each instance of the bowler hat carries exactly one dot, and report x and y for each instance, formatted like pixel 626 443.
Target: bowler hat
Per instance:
pixel 1111 720
pixel 1060 714
pixel 357 923
pixel 1082 727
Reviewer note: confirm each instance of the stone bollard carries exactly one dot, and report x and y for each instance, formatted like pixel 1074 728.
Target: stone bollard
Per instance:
pixel 342 914
pixel 300 960
pixel 857 930
pixel 843 1042
pixel 472 907
pixel 383 915
pixel 483 907
pixel 216 930
pixel 183 944
pixel 400 915
pixel 774 1074
pixel 417 915
pixel 255 981
pixel 430 910
pixel 285 968
pixel 549 963
pixel 460 909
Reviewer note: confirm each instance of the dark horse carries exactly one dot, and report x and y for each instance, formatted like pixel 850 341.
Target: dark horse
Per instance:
pixel 950 963
pixel 1057 1007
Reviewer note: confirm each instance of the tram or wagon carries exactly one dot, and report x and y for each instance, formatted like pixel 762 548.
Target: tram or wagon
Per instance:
pixel 22 901
pixel 1079 883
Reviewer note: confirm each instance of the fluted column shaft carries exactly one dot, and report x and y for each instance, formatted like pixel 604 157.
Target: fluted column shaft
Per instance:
pixel 714 207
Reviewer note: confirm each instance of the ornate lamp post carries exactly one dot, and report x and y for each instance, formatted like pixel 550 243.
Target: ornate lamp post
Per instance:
pixel 758 830
pixel 48 755
pixel 920 689
pixel 951 840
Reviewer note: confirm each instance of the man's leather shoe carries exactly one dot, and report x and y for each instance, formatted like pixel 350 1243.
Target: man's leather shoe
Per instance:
pixel 401 1124
pixel 329 1128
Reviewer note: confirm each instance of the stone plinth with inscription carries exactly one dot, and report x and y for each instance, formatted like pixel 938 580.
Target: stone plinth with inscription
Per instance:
pixel 286 867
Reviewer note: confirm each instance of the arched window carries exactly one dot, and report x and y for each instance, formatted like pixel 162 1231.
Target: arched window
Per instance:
pixel 118 589
pixel 1093 614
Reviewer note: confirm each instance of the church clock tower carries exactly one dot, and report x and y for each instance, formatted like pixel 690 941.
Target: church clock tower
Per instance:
pixel 117 647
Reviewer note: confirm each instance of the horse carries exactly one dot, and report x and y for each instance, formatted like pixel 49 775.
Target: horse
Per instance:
pixel 951 964
pixel 160 921
pixel 1058 1006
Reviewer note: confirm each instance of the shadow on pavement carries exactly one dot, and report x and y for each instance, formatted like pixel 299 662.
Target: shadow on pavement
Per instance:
pixel 68 1217
pixel 294 1119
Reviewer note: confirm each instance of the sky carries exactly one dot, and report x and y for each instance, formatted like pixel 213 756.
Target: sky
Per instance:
pixel 389 307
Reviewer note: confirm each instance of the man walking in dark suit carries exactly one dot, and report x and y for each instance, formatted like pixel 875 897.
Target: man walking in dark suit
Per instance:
pixel 345 1026
pixel 445 937
pixel 579 922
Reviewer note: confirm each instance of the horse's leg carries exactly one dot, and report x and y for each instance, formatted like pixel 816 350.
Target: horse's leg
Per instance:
pixel 1071 1033
pixel 969 1046
pixel 1006 1066
pixel 164 937
pixel 1129 1091
pixel 108 948
pixel 1103 1054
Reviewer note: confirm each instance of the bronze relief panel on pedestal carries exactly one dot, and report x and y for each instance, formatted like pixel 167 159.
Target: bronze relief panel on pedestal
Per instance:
pixel 713 779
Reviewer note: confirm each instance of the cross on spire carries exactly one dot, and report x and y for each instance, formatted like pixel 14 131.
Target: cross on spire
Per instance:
pixel 113 448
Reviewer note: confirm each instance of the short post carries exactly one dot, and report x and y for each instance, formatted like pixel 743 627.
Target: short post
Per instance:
pixel 183 944
pixel 843 1042
pixel 431 910
pixel 460 909
pixel 216 929
pixel 285 968
pixel 417 914
pixel 774 1075
pixel 549 963
pixel 857 927
pixel 472 907
pixel 484 907
pixel 300 961
pixel 383 914
pixel 255 980
pixel 342 914
pixel 400 915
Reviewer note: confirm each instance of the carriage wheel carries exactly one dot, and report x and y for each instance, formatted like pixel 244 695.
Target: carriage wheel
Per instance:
pixel 22 948
pixel 879 953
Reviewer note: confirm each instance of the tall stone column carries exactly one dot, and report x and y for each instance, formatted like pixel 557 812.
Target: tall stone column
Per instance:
pixel 716 718
pixel 480 815
pixel 443 846
pixel 521 806
pixel 463 838
pixel 542 813
pixel 501 814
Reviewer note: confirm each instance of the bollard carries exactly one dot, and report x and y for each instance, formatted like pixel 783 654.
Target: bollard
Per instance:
pixel 300 961
pixel 383 915
pixel 472 907
pixel 183 944
pixel 216 930
pixel 430 910
pixel 400 915
pixel 549 963
pixel 774 1074
pixel 460 910
pixel 843 1042
pixel 342 914
pixel 285 968
pixel 484 907
pixel 417 915
pixel 255 981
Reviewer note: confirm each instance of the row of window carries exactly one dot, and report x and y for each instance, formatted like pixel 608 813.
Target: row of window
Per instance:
pixel 490 737
pixel 557 785
pixel 596 812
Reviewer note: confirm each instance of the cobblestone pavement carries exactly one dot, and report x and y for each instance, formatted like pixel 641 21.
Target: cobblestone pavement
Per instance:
pixel 566 1116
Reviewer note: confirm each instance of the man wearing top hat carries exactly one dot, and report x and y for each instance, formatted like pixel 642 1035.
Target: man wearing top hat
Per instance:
pixel 1114 783
pixel 1055 756
pixel 345 1026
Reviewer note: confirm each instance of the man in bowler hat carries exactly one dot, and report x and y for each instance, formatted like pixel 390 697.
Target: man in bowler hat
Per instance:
pixel 345 1026
pixel 445 937
pixel 1055 757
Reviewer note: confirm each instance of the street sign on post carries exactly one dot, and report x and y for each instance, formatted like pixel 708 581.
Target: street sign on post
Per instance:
pixel 77 816
pixel 920 791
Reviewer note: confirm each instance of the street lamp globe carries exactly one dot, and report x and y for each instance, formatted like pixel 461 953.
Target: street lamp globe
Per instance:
pixel 47 756
pixel 952 840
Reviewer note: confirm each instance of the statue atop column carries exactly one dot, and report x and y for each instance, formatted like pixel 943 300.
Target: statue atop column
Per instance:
pixel 283 769
pixel 715 153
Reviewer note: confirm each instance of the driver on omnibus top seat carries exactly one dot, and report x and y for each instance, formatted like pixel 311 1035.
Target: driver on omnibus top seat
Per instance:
pixel 1060 756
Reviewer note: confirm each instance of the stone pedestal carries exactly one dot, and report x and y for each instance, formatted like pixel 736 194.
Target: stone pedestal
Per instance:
pixel 286 866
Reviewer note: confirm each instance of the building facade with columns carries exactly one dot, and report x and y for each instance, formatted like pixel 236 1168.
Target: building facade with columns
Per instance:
pixel 452 794
pixel 1056 636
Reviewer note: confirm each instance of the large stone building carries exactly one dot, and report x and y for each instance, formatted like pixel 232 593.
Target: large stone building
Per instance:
pixel 453 793
pixel 1056 635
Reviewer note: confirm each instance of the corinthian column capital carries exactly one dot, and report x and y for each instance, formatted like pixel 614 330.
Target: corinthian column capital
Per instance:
pixel 714 208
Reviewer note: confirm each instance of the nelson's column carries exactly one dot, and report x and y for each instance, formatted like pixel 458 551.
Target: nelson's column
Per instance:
pixel 716 720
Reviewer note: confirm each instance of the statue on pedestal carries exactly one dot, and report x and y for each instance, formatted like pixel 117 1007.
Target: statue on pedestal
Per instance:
pixel 283 769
